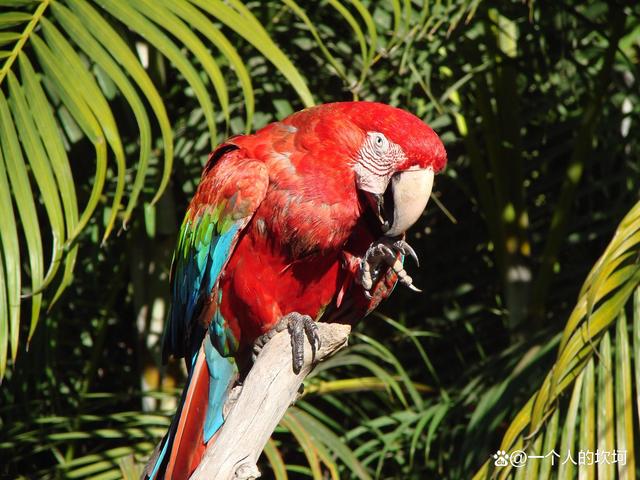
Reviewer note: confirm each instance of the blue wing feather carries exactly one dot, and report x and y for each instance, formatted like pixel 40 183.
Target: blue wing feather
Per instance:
pixel 207 239
pixel 200 257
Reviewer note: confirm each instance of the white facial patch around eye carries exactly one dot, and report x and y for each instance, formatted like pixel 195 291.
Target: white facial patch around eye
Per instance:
pixel 375 154
pixel 376 162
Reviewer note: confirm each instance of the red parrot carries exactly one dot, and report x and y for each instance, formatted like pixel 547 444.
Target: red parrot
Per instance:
pixel 301 222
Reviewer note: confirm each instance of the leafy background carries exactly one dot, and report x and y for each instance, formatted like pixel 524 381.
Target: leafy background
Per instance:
pixel 528 331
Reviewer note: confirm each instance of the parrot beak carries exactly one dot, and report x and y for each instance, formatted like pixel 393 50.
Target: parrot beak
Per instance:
pixel 404 200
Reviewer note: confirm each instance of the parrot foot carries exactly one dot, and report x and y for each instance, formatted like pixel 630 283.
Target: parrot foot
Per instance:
pixel 298 325
pixel 384 252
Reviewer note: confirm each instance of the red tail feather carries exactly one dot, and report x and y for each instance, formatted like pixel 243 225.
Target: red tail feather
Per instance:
pixel 188 446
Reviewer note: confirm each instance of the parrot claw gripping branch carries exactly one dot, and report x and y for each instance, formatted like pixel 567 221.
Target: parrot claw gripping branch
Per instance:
pixel 301 222
pixel 298 326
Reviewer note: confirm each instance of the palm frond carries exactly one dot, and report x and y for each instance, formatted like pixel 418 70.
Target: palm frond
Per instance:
pixel 585 343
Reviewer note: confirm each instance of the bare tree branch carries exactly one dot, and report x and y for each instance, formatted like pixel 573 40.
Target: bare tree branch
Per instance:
pixel 257 406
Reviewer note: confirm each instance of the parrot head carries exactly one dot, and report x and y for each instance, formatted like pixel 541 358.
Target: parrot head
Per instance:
pixel 395 162
pixel 388 154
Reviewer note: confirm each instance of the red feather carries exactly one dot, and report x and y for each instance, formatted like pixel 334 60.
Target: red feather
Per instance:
pixel 188 448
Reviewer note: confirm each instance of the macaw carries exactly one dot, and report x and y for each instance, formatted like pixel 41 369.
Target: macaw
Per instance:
pixel 303 221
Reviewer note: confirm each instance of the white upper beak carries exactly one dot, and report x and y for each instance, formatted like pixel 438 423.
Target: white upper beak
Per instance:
pixel 411 192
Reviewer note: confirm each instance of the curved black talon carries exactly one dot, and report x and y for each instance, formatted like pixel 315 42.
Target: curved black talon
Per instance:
pixel 298 326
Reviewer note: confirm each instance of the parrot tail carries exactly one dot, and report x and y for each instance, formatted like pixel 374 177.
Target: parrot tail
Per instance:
pixel 198 417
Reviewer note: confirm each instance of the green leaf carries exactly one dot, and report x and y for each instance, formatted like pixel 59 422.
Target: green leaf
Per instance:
pixel 275 460
pixel 373 36
pixel 291 423
pixel 87 122
pixel 134 20
pixel 353 23
pixel 24 36
pixel 9 269
pixel 302 15
pixel 606 428
pixel 170 22
pixel 129 469
pixel 41 169
pixel 9 37
pixel 113 43
pixel 375 369
pixel 74 27
pixel 331 441
pixel 568 442
pixel 94 98
pixel 8 19
pixel 386 354
pixel 623 398
pixel 246 25
pixel 608 287
pixel 19 180
pixel 636 346
pixel 550 443
pixel 587 439
pixel 200 22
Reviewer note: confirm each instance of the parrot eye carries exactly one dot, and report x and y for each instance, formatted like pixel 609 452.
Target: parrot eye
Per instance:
pixel 380 142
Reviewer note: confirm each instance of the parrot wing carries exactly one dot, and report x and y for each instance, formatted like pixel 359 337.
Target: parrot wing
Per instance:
pixel 232 188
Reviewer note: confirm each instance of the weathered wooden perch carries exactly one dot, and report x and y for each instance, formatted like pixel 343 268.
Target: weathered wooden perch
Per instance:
pixel 268 390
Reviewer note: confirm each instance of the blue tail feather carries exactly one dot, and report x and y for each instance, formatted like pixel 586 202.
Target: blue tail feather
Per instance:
pixel 222 371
